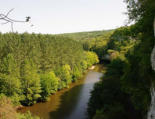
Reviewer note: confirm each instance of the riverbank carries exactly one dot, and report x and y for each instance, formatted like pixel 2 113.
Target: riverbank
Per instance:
pixel 68 98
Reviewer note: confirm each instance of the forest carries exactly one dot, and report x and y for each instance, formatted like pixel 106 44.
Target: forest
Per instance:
pixel 124 91
pixel 34 66
pixel 95 41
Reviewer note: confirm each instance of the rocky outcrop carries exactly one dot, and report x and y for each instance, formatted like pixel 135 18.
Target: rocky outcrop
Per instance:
pixel 151 112
pixel 153 51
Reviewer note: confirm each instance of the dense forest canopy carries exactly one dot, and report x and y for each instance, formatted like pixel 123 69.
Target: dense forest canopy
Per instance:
pixel 34 66
pixel 83 36
pixel 95 41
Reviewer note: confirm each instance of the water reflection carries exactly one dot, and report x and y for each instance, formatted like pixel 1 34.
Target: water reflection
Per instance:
pixel 69 103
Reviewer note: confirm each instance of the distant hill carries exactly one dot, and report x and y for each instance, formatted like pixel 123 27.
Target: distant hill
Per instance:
pixel 83 36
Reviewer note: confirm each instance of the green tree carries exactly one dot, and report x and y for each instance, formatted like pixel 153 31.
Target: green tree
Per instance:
pixel 76 73
pixel 31 82
pixel 66 74
pixel 49 84
pixel 91 58
pixel 9 76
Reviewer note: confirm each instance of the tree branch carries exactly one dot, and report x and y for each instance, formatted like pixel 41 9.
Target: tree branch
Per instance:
pixel 10 20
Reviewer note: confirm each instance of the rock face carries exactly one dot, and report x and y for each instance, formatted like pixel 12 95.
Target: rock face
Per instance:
pixel 151 112
pixel 153 51
pixel 154 26
pixel 153 58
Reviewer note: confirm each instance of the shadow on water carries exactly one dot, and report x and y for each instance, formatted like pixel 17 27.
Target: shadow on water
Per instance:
pixel 68 103
pixel 74 102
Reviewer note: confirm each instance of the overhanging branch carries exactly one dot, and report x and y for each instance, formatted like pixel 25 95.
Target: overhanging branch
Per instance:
pixel 7 19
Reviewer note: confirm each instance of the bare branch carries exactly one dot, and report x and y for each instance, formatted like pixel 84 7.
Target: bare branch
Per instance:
pixel 10 20
pixel 13 20
pixel 9 12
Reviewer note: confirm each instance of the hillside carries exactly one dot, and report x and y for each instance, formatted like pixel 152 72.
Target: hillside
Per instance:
pixel 83 36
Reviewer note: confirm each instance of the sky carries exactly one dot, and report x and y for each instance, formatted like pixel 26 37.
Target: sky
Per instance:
pixel 64 16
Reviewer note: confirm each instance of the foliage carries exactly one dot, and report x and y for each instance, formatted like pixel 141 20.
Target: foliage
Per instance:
pixel 8 111
pixel 27 115
pixel 86 36
pixel 9 77
pixel 111 100
pixel 91 58
pixel 30 82
pixel 34 66
pixel 49 84
pixel 130 69
pixel 95 41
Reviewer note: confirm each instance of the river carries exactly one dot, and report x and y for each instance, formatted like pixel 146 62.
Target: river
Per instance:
pixel 68 103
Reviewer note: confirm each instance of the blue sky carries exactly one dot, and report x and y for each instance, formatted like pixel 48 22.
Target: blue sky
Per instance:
pixel 63 16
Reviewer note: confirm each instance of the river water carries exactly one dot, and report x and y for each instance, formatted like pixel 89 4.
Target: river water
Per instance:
pixel 69 103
